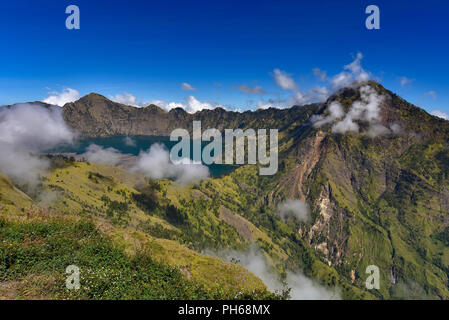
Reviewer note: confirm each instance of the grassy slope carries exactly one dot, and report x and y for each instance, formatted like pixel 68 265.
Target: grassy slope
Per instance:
pixel 393 212
pixel 386 196
pixel 78 191
pixel 381 201
pixel 243 193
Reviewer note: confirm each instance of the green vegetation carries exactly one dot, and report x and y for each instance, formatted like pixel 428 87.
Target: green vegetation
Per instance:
pixel 106 272
pixel 373 200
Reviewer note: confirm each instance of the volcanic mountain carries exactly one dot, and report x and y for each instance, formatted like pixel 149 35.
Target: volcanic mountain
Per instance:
pixel 372 168
pixel 375 173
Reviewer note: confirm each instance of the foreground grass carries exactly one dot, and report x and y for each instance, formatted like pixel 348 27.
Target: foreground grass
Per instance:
pixel 34 255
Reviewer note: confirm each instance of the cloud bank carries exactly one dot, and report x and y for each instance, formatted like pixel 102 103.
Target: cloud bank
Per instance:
pixel 98 154
pixel 284 80
pixel 127 99
pixel 130 142
pixel 191 105
pixel 155 163
pixel 302 288
pixel 440 114
pixel 294 208
pixel 26 130
pixel 63 97
pixel 366 110
pixel 352 72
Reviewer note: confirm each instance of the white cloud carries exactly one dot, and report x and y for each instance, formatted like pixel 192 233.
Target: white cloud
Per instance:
pixel 263 106
pixel 26 130
pixel 440 114
pixel 98 154
pixel 125 98
pixel 251 90
pixel 61 98
pixel 33 126
pixel 356 68
pixel 342 79
pixel 284 80
pixel 271 103
pixel 188 87
pixel 21 165
pixel 155 163
pixel 320 74
pixel 353 72
pixel 345 125
pixel 129 100
pixel 312 95
pixel 190 105
pixel 367 110
pixel 194 105
pixel 302 287
pixel 377 129
pixel 159 103
pixel 130 142
pixel 335 112
pixel 172 105
pixel 405 81
pixel 395 128
pixel 294 208
pixel 433 94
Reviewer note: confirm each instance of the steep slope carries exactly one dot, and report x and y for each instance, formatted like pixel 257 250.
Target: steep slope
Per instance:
pixel 12 199
pixel 373 168
pixel 377 200
pixel 102 201
pixel 199 217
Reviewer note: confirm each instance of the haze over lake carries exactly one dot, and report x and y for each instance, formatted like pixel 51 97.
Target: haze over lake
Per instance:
pixel 132 145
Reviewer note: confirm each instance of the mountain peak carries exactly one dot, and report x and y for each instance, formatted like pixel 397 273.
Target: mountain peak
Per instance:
pixel 154 108
pixel 94 96
pixel 368 104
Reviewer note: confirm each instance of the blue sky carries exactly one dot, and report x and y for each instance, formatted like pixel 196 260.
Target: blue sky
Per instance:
pixel 147 49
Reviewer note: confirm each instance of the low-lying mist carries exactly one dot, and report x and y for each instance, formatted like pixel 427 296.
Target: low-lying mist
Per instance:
pixel 29 130
pixel 26 131
pixel 301 287
pixel 155 163
pixel 294 208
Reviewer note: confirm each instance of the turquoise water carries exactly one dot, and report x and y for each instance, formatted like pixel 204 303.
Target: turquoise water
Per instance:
pixel 142 143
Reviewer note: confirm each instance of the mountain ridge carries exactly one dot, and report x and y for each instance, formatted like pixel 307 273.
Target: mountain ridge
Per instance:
pixel 376 197
pixel 110 118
